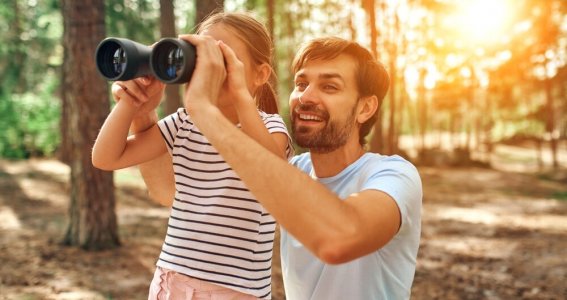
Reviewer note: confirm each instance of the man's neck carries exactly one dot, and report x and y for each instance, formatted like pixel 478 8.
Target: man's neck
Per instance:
pixel 332 163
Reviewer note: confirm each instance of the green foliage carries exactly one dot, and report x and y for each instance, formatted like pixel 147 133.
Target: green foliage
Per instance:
pixel 30 57
pixel 560 196
pixel 30 122
pixel 137 20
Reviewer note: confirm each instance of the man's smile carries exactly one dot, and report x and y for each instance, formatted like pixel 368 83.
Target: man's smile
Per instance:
pixel 309 117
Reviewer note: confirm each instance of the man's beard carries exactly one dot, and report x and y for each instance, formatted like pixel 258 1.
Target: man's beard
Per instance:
pixel 334 135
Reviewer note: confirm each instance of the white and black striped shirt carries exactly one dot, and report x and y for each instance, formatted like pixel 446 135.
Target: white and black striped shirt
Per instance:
pixel 217 231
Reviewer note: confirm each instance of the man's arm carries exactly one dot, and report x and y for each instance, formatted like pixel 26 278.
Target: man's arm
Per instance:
pixel 334 230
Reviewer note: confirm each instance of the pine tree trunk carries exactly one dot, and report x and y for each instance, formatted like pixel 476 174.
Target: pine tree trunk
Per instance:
pixel 377 141
pixel 92 223
pixel 550 122
pixel 167 27
pixel 206 7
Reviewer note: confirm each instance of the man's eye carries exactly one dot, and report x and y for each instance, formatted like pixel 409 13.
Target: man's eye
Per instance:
pixel 330 87
pixel 301 85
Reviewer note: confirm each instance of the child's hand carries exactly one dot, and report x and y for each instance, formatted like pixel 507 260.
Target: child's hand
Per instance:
pixel 144 93
pixel 236 77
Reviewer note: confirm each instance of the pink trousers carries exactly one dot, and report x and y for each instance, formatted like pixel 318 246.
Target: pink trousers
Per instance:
pixel 170 285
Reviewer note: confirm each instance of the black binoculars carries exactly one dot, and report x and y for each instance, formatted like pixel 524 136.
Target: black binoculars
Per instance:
pixel 170 60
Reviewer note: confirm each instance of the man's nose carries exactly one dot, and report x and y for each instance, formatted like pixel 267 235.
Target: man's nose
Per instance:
pixel 309 95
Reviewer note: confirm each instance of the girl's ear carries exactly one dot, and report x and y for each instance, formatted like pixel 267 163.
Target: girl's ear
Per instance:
pixel 263 73
pixel 367 107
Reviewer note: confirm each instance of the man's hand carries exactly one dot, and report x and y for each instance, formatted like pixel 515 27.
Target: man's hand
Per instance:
pixel 209 74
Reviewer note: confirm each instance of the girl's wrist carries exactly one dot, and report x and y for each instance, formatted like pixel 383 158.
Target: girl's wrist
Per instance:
pixel 243 100
pixel 142 122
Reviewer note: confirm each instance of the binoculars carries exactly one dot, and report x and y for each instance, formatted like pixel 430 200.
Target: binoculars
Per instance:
pixel 170 60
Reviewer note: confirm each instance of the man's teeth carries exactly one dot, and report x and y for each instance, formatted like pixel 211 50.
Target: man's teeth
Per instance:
pixel 309 117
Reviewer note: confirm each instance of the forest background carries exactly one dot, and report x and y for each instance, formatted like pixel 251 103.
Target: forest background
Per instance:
pixel 479 87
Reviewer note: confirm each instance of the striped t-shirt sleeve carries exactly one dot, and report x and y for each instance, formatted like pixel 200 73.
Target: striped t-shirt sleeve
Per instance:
pixel 169 126
pixel 274 123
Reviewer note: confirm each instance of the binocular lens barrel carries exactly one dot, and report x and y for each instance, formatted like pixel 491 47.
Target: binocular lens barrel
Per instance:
pixel 122 59
pixel 170 60
pixel 173 60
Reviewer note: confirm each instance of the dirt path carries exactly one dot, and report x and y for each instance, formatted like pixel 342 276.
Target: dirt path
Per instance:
pixel 486 235
pixel 492 235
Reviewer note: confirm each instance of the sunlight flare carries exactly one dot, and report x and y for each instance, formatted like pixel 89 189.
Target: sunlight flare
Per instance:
pixel 484 20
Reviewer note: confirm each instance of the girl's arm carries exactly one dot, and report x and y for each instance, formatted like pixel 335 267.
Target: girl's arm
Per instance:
pixel 157 173
pixel 114 149
pixel 216 63
pixel 253 125
pixel 250 120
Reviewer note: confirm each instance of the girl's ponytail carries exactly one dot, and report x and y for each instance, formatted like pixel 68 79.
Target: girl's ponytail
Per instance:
pixel 266 98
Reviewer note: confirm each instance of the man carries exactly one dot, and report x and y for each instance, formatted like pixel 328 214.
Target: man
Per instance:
pixel 351 220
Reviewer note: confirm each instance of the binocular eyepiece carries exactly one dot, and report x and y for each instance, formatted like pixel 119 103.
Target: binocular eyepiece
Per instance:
pixel 170 60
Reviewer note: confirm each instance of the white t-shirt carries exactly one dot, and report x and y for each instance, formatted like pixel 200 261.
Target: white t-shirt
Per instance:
pixel 384 274
pixel 217 231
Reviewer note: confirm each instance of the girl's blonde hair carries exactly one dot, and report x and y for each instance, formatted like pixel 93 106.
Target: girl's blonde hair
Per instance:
pixel 259 44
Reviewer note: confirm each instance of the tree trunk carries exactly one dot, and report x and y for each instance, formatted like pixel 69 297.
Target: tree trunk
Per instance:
pixel 271 8
pixel 422 110
pixel 377 140
pixel 167 27
pixel 206 7
pixel 391 145
pixel 393 57
pixel 550 122
pixel 17 56
pixel 92 223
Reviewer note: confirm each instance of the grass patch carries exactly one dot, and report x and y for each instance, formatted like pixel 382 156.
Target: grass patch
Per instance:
pixel 561 196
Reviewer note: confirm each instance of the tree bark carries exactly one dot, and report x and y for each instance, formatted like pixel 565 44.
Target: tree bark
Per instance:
pixel 92 223
pixel 393 57
pixel 167 26
pixel 377 141
pixel 271 8
pixel 550 122
pixel 206 7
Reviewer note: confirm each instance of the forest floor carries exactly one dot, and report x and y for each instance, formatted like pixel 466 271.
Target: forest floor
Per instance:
pixel 486 234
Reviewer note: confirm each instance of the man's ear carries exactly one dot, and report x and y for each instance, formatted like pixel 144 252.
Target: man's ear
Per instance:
pixel 367 107
pixel 263 73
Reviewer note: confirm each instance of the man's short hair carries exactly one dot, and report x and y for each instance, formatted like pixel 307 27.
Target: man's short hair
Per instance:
pixel 371 75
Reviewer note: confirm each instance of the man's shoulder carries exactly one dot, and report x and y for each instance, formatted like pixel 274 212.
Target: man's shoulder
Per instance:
pixel 389 165
pixel 301 160
pixel 387 160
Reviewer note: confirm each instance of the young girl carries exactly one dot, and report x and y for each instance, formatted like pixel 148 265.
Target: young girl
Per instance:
pixel 219 239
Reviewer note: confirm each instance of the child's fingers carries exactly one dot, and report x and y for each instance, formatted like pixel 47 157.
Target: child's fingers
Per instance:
pixel 229 55
pixel 145 80
pixel 135 88
pixel 121 94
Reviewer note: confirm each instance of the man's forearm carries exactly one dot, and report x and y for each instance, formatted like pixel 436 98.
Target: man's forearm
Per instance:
pixel 291 196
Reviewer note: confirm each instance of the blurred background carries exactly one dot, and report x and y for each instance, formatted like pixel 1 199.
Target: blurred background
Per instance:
pixel 478 102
